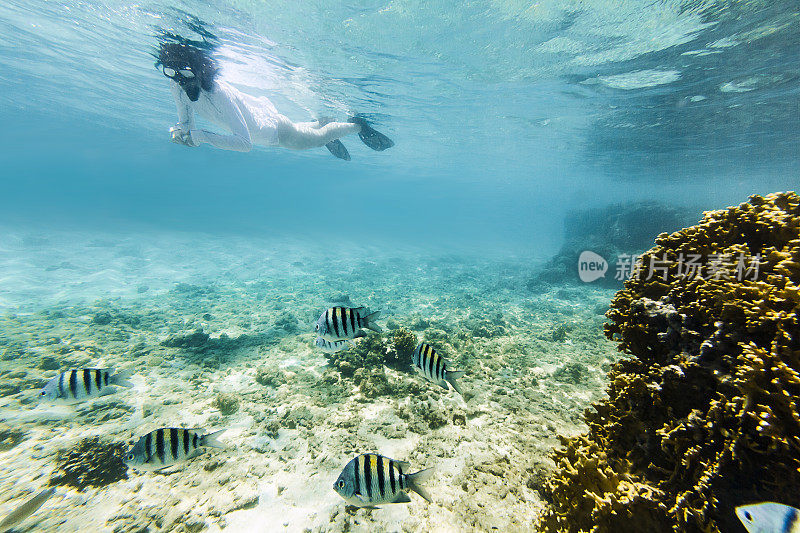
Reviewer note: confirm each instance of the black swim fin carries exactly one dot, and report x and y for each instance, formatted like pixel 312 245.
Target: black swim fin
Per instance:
pixel 374 139
pixel 337 148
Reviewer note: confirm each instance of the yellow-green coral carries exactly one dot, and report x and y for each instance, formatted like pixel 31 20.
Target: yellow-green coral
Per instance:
pixel 706 414
pixel 403 343
pixel 376 351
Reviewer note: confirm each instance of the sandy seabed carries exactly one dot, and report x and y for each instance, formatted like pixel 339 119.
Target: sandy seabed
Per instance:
pixel 201 318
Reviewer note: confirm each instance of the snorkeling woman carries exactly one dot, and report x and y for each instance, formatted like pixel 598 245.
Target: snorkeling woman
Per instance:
pixel 251 120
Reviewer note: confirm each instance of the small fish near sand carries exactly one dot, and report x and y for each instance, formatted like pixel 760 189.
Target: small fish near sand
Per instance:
pixel 769 517
pixel 372 479
pixel 81 384
pixel 341 323
pixel 165 447
pixel 332 346
pixel 434 367
pixel 25 510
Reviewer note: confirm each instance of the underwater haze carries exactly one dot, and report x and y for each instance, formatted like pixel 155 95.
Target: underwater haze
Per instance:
pixel 524 133
pixel 505 114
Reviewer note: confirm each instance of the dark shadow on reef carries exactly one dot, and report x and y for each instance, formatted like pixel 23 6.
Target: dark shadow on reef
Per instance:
pixel 201 342
pixel 611 231
pixel 93 462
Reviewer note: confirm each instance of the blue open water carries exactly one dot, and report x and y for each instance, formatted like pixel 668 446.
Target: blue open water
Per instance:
pixel 506 114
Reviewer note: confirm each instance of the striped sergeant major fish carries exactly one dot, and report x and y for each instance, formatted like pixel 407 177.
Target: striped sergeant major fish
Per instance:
pixel 340 323
pixel 769 517
pixel 371 479
pixel 332 346
pixel 165 447
pixel 80 384
pixel 433 366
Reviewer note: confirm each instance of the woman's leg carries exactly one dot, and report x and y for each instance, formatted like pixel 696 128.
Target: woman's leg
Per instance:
pixel 305 135
pixel 316 124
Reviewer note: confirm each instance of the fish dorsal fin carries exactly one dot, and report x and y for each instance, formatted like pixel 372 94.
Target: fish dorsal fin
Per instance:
pixel 403 466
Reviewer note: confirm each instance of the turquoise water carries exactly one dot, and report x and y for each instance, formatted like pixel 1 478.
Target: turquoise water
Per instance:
pixel 505 114
pixel 511 119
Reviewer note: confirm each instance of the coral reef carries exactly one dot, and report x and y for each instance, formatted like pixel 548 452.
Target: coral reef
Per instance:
pixel 402 345
pixel 94 462
pixel 610 231
pixel 375 351
pixel 198 345
pixel 12 383
pixel 372 383
pixel 49 363
pixel 425 414
pixel 287 322
pixel 10 437
pixel 365 361
pixel 706 414
pixel 197 340
pixel 571 373
pixel 560 332
pixel 299 420
pixel 226 403
pixel 270 376
pixel 483 327
pixel 298 416
pixel 11 352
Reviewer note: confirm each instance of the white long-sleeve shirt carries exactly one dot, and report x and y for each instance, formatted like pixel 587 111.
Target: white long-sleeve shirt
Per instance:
pixel 249 119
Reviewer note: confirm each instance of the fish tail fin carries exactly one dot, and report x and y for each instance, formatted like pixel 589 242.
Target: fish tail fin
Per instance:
pixel 368 322
pixel 210 439
pixel 416 480
pixel 121 378
pixel 25 510
pixel 452 376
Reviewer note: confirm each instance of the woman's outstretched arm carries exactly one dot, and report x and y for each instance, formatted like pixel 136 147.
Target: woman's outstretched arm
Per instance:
pixel 239 139
pixel 185 114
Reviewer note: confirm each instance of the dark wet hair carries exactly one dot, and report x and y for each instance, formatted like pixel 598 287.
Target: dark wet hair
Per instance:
pixel 179 55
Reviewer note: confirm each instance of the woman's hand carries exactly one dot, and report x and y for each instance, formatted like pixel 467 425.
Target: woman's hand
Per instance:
pixel 181 136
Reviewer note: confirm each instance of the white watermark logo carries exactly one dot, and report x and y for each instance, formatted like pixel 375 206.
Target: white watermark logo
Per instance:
pixel 591 266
